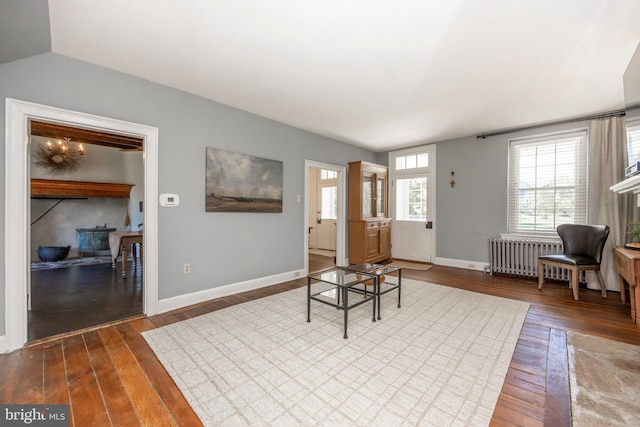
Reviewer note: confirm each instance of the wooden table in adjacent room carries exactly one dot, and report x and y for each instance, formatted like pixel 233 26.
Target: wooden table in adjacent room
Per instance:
pixel 627 263
pixel 119 241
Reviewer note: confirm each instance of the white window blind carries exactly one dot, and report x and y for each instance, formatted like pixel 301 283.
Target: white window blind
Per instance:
pixel 633 141
pixel 547 183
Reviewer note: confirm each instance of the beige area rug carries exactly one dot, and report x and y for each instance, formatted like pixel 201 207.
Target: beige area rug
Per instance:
pixel 439 360
pixel 605 381
pixel 410 265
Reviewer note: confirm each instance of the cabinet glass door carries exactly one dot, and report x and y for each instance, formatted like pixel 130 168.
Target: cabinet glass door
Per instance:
pixel 380 196
pixel 367 195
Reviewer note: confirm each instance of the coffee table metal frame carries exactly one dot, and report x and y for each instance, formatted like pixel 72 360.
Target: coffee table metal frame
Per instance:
pixel 379 270
pixel 343 281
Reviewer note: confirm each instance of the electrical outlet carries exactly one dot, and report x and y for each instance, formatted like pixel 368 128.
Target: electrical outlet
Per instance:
pixel 186 268
pixel 471 266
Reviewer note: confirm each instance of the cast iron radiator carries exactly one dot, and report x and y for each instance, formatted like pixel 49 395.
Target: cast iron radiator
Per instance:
pixel 519 257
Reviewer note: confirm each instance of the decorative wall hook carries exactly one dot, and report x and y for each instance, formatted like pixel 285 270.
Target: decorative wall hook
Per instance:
pixel 453 179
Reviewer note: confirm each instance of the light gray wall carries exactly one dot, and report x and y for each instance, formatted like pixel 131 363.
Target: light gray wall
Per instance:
pixel 223 248
pixel 476 208
pixel 24 29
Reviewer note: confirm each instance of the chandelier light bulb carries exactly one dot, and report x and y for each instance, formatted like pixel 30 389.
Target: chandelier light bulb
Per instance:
pixel 62 157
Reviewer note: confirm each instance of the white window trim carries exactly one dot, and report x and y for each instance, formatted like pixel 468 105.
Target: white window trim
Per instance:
pixel 549 236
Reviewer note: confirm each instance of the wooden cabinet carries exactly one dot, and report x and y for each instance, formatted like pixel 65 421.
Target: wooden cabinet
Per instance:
pixel 367 191
pixel 627 263
pixel 369 226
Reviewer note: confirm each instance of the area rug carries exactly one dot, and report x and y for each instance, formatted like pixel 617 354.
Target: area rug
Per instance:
pixel 439 360
pixel 410 265
pixel 604 380
pixel 73 262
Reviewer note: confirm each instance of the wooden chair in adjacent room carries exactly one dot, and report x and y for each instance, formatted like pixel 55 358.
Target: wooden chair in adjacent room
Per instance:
pixel 583 245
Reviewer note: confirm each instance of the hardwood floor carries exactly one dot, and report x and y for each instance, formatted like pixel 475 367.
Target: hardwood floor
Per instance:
pixel 110 376
pixel 81 296
pixel 319 262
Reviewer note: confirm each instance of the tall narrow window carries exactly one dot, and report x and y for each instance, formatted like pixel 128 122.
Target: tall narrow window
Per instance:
pixel 329 193
pixel 547 183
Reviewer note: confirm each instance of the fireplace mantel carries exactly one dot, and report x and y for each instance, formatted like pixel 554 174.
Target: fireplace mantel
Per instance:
pixel 72 189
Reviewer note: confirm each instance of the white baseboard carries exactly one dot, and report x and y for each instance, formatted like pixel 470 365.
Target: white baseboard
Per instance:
pixel 459 263
pixel 3 344
pixel 180 301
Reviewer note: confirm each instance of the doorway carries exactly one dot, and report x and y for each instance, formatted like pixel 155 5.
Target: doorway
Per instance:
pixel 17 215
pixel 323 216
pixel 412 174
pixel 84 184
pixel 325 212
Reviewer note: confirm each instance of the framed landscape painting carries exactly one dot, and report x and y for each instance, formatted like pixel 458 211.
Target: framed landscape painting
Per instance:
pixel 241 183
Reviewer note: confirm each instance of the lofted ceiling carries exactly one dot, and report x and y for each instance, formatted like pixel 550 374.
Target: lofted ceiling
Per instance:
pixel 377 74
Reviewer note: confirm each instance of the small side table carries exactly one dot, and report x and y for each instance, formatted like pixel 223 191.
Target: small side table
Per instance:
pixel 379 270
pixel 341 282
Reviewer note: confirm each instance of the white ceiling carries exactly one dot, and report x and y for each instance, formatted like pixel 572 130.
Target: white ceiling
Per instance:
pixel 378 74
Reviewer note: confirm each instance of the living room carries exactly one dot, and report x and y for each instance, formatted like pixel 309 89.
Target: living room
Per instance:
pixel 230 253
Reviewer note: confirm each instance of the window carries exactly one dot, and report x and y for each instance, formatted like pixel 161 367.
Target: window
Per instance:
pixel 412 161
pixel 633 141
pixel 325 174
pixel 547 183
pixel 329 193
pixel 411 199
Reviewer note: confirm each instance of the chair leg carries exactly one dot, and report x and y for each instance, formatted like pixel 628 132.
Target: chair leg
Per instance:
pixel 602 285
pixel 540 274
pixel 573 278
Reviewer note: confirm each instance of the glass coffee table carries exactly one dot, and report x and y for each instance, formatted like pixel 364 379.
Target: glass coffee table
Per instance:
pixel 338 283
pixel 380 287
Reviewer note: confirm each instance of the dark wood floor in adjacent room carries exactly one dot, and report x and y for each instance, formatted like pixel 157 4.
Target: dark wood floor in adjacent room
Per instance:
pixel 110 376
pixel 81 296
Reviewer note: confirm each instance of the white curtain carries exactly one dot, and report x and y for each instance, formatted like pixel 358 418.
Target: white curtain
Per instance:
pixel 607 161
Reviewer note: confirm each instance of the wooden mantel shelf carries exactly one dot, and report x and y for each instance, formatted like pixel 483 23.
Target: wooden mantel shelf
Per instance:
pixel 57 188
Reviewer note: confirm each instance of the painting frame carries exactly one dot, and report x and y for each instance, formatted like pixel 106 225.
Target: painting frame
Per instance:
pixel 237 182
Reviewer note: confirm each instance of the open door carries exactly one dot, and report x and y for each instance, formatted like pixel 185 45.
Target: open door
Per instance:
pixel 325 216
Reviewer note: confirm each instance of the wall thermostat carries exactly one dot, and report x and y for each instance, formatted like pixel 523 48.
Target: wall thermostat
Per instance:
pixel 169 200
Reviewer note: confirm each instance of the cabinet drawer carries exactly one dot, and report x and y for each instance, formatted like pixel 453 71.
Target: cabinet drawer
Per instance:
pixel 372 224
pixel 386 223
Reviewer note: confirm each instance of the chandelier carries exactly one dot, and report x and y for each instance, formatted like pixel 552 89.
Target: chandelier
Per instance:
pixel 59 157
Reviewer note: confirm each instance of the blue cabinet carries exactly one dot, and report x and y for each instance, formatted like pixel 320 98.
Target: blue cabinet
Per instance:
pixel 93 239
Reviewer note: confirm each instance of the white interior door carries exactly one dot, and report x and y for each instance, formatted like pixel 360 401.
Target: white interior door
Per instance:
pixel 313 212
pixel 327 234
pixel 328 208
pixel 413 204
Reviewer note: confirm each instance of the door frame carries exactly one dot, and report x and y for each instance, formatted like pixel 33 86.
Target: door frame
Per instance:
pixel 431 170
pixel 17 205
pixel 342 212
